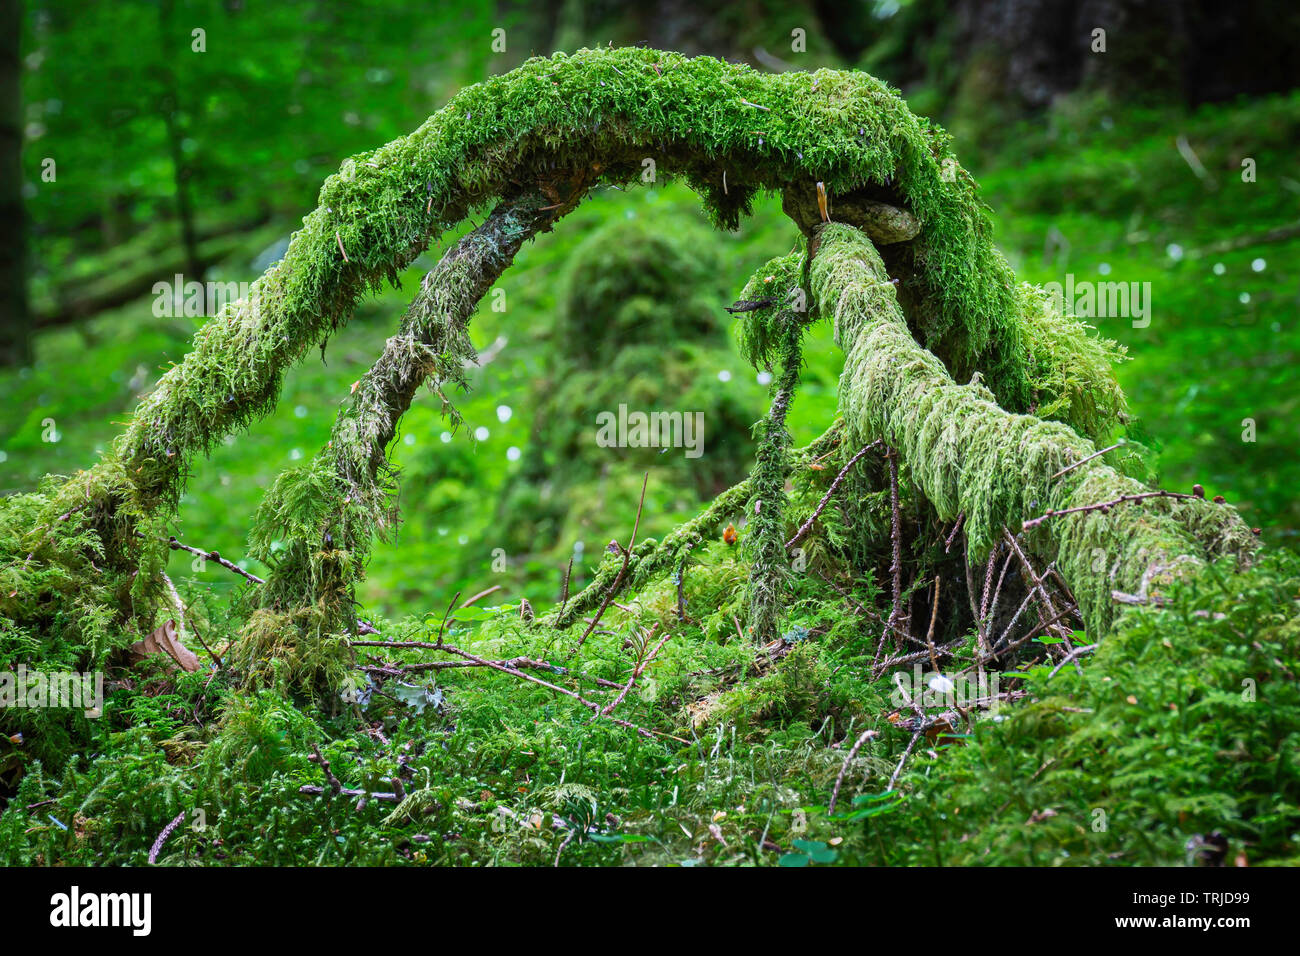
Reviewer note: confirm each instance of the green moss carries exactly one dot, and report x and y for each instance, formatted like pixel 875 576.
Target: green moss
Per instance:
pixel 1177 727
pixel 915 321
pixel 562 123
pixel 969 456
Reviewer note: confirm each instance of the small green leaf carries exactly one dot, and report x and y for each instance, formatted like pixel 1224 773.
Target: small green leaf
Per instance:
pixel 824 855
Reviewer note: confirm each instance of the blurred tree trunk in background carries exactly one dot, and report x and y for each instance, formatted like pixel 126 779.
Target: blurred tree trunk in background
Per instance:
pixel 15 338
pixel 173 117
pixel 1027 52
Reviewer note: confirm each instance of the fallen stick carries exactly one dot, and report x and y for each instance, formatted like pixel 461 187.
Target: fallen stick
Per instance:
pixel 844 769
pixel 821 505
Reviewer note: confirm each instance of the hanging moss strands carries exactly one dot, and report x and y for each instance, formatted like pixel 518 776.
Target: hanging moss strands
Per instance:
pixel 774 317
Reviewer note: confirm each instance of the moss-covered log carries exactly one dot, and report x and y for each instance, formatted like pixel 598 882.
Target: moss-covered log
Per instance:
pixel 729 131
pixel 556 127
pixel 970 456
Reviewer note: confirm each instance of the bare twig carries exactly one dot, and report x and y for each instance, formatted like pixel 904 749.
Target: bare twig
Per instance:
pixel 613 588
pixel 573 831
pixel 1084 461
pixel 636 672
pixel 1077 652
pixel 1035 580
pixel 312 790
pixel 595 708
pixel 162 837
pixel 442 627
pixel 844 769
pixel 961 519
pixel 564 591
pixel 942 650
pixel 821 505
pixel 896 535
pixel 934 616
pixel 524 663
pixel 481 594
pixel 917 734
pixel 335 786
pixel 1104 506
pixel 213 556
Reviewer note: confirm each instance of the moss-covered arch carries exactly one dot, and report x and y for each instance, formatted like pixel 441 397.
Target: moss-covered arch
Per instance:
pixel 534 142
pixel 564 124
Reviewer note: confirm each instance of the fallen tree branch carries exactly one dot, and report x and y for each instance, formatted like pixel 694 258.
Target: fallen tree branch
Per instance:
pixel 613 588
pixel 967 454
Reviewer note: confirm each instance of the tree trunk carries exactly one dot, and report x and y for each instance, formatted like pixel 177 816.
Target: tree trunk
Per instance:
pixel 15 329
pixel 351 477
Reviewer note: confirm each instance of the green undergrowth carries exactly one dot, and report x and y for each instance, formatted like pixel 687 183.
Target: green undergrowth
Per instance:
pixel 1179 726
pixel 1186 722
pixel 731 741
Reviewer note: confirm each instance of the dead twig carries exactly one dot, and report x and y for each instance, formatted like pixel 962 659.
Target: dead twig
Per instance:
pixel 844 769
pixel 564 591
pixel 184 616
pixel 313 790
pixel 920 731
pixel 896 535
pixel 1105 506
pixel 636 672
pixel 162 837
pixel 1084 461
pixel 618 580
pixel 821 505
pixel 318 757
pixel 561 690
pixel 481 594
pixel 213 556
pixel 934 616
pixel 961 519
pixel 1077 652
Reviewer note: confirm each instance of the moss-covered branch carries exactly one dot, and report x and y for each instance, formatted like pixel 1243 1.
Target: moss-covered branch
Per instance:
pixel 323 517
pixel 558 126
pixel 600 112
pixel 968 455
